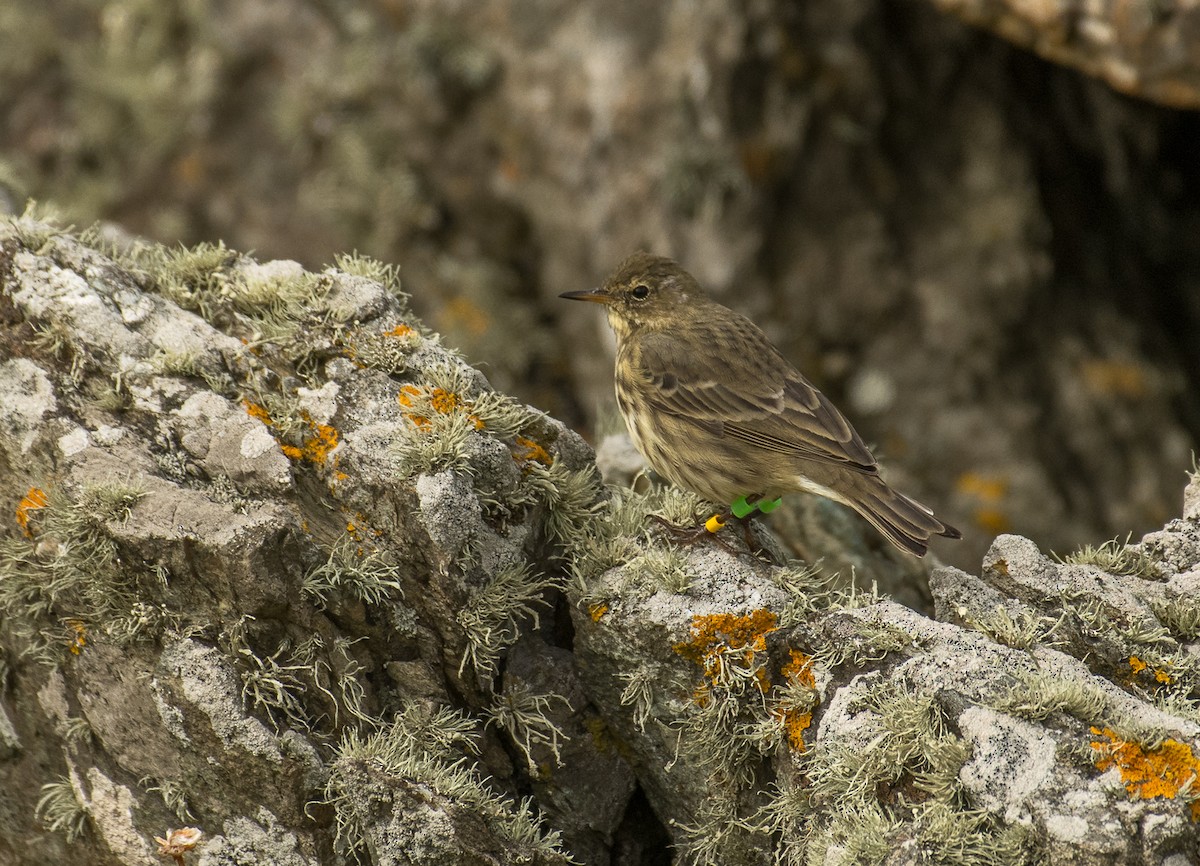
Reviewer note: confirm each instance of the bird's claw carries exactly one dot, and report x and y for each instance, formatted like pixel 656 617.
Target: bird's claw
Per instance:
pixel 686 536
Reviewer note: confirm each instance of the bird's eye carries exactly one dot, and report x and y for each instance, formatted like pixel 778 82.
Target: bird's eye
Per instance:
pixel 640 293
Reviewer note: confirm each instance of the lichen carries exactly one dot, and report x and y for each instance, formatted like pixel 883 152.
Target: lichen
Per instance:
pixel 1169 770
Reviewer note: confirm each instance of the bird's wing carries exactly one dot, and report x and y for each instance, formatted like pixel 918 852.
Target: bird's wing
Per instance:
pixel 733 382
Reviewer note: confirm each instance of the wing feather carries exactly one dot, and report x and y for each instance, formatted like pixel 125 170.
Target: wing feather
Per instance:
pixel 764 402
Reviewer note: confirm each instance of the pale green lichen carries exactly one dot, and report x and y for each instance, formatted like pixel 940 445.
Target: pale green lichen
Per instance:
pixel 905 781
pixel 492 616
pixel 431 749
pixel 525 716
pixel 173 794
pixel 60 811
pixel 387 275
pixel 352 571
pixel 1023 631
pixel 1116 557
pixel 70 579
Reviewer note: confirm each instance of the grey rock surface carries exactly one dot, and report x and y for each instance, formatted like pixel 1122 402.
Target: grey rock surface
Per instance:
pixel 311 586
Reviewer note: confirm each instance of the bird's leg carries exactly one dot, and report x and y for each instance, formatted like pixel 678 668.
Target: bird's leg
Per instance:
pixel 689 535
pixel 744 511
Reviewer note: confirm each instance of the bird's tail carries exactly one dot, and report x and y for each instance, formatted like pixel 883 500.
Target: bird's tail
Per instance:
pixel 905 522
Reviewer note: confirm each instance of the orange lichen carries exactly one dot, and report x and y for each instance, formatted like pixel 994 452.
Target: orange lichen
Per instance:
pixel 439 399
pixel 399 331
pixel 318 444
pixel 1161 772
pixel 526 450
pixel 256 411
pixel 598 610
pixel 32 501
pixel 714 636
pixel 1137 666
pixel 79 641
pixel 795 724
pixel 798 669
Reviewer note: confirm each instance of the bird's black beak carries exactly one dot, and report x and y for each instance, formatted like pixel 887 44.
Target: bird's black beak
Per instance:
pixel 596 296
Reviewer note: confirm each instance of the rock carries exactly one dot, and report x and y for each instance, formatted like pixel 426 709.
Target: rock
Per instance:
pixel 1146 55
pixel 327 595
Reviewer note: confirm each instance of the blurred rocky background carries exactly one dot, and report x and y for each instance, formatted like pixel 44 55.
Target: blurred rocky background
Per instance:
pixel 988 257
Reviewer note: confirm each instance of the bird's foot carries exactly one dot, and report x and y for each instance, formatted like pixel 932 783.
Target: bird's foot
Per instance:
pixel 686 536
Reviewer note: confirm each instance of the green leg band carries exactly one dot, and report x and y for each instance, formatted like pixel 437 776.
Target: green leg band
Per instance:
pixel 741 508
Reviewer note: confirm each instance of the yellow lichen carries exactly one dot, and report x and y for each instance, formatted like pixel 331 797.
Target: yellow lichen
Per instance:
pixel 32 501
pixel 1137 666
pixel 798 669
pixel 597 611
pixel 79 641
pixel 320 442
pixel 1161 772
pixel 713 636
pixel 440 400
pixel 526 450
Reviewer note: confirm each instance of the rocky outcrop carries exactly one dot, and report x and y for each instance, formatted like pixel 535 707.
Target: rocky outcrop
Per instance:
pixel 1140 49
pixel 286 570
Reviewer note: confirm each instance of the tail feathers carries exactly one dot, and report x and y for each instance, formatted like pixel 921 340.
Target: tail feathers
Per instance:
pixel 905 522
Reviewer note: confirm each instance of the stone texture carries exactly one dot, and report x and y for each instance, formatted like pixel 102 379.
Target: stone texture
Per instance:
pixel 414 627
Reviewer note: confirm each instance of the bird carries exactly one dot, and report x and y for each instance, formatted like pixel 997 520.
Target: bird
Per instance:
pixel 716 409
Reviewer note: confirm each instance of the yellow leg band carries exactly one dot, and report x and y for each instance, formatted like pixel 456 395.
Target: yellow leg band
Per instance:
pixel 714 523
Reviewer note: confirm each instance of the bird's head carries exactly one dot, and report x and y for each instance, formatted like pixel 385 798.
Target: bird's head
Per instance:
pixel 645 292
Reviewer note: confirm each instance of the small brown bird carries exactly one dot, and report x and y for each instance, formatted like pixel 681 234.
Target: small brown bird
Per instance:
pixel 716 409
